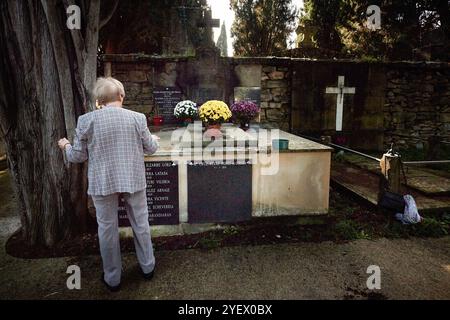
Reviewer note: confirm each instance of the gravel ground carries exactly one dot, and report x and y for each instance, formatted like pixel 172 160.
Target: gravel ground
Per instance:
pixel 410 269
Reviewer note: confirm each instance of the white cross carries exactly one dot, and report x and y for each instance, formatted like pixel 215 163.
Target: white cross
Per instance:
pixel 340 90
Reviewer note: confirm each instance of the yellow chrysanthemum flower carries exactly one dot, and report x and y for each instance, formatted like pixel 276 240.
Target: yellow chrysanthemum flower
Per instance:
pixel 214 111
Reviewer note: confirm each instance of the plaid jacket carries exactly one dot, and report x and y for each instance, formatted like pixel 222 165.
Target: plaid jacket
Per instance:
pixel 114 140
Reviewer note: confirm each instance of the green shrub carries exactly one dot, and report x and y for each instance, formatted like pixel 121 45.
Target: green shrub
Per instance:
pixel 370 59
pixel 230 230
pixel 363 234
pixel 446 218
pixel 395 229
pixel 350 230
pixel 431 227
pixel 209 243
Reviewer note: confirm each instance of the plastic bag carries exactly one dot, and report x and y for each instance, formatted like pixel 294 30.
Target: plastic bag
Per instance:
pixel 411 214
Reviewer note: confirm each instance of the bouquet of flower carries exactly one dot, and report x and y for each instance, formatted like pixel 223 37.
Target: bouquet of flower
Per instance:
pixel 214 112
pixel 244 110
pixel 185 109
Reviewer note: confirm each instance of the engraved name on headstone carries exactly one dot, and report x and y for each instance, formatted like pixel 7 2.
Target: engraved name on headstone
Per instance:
pixel 162 194
pixel 252 94
pixel 166 98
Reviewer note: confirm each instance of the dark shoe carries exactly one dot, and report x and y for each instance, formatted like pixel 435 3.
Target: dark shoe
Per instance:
pixel 148 276
pixel 110 288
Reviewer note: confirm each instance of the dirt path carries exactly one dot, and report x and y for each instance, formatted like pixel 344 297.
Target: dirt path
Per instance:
pixel 410 269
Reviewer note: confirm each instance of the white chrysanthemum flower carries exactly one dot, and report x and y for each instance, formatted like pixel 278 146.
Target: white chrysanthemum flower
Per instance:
pixel 185 109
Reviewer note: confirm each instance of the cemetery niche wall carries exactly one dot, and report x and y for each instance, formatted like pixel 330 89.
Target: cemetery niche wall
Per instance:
pixel 363 105
pixel 391 101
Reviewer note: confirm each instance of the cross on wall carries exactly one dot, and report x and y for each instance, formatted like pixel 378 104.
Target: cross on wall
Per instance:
pixel 340 90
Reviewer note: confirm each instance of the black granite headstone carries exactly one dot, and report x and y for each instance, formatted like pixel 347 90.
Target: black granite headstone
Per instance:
pixel 252 94
pixel 162 194
pixel 166 98
pixel 219 193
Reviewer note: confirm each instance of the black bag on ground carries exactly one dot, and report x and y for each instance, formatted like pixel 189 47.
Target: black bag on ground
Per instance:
pixel 393 202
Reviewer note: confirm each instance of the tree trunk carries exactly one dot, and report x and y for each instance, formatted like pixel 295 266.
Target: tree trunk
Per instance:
pixel 45 70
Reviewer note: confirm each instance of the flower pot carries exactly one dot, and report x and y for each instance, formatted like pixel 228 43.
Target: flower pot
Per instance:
pixel 280 144
pixel 187 121
pixel 158 120
pixel 213 131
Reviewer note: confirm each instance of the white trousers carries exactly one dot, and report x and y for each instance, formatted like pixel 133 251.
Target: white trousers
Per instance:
pixel 108 233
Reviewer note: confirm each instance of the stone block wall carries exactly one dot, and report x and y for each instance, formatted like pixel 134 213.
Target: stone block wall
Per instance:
pixel 138 76
pixel 417 104
pixel 314 110
pixel 276 96
pixel 394 102
pixel 400 102
pixel 138 83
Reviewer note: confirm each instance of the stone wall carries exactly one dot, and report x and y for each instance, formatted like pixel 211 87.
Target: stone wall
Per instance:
pixel 417 104
pixel 276 96
pixel 138 83
pixel 197 79
pixel 393 102
pixel 314 110
pixel 140 74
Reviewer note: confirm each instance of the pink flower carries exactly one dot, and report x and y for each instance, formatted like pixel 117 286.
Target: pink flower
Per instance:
pixel 245 110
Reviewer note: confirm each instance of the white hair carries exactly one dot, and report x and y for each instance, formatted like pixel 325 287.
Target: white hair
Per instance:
pixel 108 90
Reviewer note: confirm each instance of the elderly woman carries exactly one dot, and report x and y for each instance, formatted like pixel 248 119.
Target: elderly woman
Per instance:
pixel 114 141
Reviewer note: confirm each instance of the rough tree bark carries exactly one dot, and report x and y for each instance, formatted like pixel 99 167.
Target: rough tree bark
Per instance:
pixel 46 72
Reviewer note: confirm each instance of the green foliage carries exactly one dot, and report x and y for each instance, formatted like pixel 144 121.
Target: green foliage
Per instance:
pixel 222 43
pixel 446 218
pixel 350 230
pixel 318 24
pixel 339 156
pixel 410 30
pixel 262 27
pixel 210 242
pixel 395 229
pixel 370 59
pixel 140 26
pixel 231 230
pixel 431 227
pixel 428 227
pixel 362 234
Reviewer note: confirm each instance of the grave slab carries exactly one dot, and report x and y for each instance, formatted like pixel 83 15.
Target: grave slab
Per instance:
pixel 425 180
pixel 257 182
pixel 364 184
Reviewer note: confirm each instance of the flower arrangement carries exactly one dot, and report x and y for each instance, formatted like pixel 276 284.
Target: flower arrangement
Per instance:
pixel 245 110
pixel 214 112
pixel 185 109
